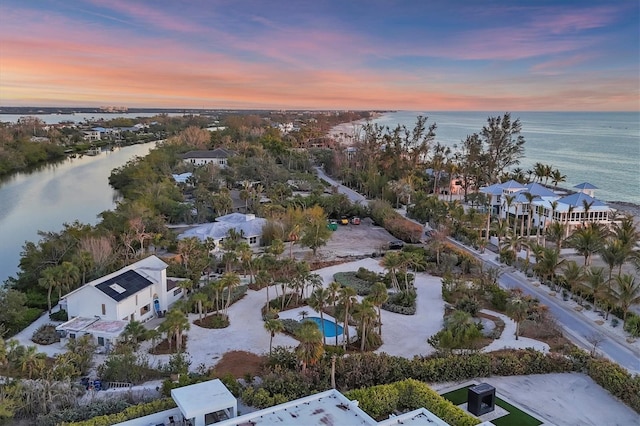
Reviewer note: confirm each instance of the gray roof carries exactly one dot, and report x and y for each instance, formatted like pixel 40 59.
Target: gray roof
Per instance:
pixel 216 153
pixel 248 225
pixel 123 285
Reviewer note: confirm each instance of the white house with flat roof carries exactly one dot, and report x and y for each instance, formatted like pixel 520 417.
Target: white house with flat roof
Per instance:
pixel 218 156
pixel 210 403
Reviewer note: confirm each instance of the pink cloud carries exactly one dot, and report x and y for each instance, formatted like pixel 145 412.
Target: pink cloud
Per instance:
pixel 63 60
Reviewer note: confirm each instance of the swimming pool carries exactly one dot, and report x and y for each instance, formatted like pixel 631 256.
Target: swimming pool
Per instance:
pixel 331 329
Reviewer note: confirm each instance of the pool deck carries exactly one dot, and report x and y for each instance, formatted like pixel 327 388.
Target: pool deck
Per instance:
pixel 295 314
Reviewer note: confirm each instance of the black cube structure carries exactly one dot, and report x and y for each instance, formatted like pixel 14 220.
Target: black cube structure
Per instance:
pixel 481 399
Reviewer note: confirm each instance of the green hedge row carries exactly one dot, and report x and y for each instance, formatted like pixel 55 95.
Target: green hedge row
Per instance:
pixel 407 395
pixel 129 413
pixel 368 369
pixel 616 380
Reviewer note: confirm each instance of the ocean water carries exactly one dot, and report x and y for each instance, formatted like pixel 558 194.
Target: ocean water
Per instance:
pixel 602 148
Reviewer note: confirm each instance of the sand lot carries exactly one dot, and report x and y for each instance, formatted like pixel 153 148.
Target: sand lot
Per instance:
pixel 559 399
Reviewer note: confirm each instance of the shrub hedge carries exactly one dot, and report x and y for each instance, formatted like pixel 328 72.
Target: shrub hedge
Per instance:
pixel 129 413
pixel 351 279
pixel 407 395
pixel 616 380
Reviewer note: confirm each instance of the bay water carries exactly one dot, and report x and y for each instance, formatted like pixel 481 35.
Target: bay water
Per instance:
pixel 46 198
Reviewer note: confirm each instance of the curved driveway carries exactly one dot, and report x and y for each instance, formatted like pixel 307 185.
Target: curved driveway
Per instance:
pixel 577 328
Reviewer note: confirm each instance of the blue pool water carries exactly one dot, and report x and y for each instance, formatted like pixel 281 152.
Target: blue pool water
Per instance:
pixel 331 329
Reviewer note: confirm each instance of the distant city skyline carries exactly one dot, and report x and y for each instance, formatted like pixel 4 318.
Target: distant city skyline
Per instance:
pixel 532 55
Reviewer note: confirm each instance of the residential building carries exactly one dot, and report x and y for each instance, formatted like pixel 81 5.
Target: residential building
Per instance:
pixel 210 403
pixel 91 135
pixel 247 225
pixel 545 206
pixel 218 156
pixel 102 307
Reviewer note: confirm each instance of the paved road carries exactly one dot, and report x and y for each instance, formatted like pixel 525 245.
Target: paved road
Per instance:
pixel 350 193
pixel 575 326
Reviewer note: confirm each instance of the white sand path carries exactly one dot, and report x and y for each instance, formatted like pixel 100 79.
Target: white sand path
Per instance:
pixel 508 340
pixel 403 335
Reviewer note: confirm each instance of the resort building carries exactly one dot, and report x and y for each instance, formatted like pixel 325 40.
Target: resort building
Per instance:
pixel 218 156
pixel 517 201
pixel 247 225
pixel 103 307
pixel 210 403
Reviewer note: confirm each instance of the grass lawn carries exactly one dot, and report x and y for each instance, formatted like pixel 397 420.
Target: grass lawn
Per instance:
pixel 515 417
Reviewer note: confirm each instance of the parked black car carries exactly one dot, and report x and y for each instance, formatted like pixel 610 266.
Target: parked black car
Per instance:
pixel 396 245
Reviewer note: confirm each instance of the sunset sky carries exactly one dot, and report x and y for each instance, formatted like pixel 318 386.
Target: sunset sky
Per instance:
pixel 323 54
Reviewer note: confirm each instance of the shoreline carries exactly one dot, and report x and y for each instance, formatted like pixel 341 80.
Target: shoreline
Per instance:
pixel 343 134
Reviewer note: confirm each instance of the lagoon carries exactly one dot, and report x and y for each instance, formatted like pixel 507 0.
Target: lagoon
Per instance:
pixel 54 194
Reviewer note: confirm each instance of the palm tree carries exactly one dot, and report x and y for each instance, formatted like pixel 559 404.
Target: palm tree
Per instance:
pixel 175 324
pixel 134 332
pixel 185 285
pixel 378 296
pixel 310 349
pixel 318 301
pixel 364 313
pixel 501 229
pixel 507 203
pixel 547 262
pixel 625 231
pixel 587 240
pixel 69 275
pixel 229 280
pixel 154 335
pixel 627 292
pixel 557 177
pixel 530 198
pixel 245 254
pixel 333 293
pixel 556 232
pixel 392 262
pixel 574 276
pixel 596 284
pixel 32 362
pixel 200 299
pixel 613 253
pixel 273 326
pixel 518 309
pixel 48 280
pixel 347 300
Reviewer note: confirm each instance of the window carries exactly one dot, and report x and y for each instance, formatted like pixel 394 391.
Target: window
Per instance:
pixel 136 300
pixel 72 336
pixel 177 291
pixel 145 309
pixel 253 240
pixel 104 309
pixel 100 341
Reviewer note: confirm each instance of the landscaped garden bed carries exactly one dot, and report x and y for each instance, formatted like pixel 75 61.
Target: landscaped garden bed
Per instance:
pixel 515 416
